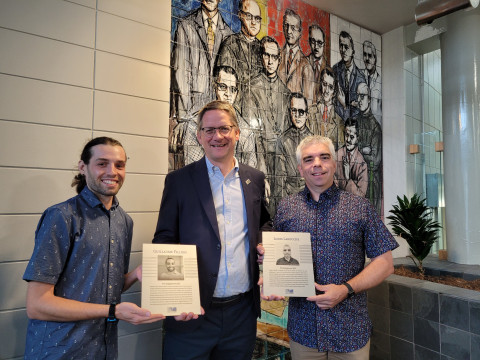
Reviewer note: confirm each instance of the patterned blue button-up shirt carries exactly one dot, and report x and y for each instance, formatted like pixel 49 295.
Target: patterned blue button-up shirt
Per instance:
pixel 84 250
pixel 343 228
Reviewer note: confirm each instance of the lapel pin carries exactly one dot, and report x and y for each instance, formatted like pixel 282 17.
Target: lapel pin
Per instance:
pixel 248 181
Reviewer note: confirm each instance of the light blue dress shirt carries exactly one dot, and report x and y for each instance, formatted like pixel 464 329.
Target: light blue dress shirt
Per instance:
pixel 233 277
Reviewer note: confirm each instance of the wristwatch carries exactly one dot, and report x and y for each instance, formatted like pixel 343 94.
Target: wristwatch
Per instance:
pixel 111 313
pixel 351 292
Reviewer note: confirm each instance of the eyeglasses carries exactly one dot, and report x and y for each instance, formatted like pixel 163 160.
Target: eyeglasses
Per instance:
pixel 319 43
pixel 251 17
pixel 362 96
pixel 271 56
pixel 223 130
pixel 298 112
pixel 225 87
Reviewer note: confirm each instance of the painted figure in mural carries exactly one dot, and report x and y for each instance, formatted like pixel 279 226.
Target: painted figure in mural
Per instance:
pixel 196 42
pixel 268 104
pixel 370 145
pixel 242 51
pixel 317 58
pixel 288 180
pixel 287 258
pixel 219 205
pixel 322 118
pixel 295 69
pixel 348 77
pixel 76 275
pixel 225 87
pixel 344 229
pixel 351 174
pixel 373 78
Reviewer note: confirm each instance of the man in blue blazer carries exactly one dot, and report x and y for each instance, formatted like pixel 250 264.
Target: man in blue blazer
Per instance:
pixel 218 205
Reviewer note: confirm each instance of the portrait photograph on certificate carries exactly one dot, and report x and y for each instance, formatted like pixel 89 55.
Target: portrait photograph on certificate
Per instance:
pixel 170 279
pixel 287 264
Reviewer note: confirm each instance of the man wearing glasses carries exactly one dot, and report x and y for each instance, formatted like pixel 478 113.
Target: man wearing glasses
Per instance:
pixel 316 39
pixel 217 204
pixel 242 51
pixel 225 87
pixel 286 167
pixel 268 102
pixel 322 119
pixel 295 70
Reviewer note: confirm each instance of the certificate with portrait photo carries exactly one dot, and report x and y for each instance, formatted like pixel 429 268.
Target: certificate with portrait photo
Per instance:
pixel 170 279
pixel 287 264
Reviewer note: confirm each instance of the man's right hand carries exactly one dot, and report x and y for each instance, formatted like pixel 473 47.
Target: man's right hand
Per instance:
pixel 135 315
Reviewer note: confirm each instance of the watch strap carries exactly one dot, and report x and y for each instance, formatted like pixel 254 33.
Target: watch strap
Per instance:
pixel 351 292
pixel 111 313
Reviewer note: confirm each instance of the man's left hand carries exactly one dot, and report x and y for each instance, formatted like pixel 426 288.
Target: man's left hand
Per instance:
pixel 330 295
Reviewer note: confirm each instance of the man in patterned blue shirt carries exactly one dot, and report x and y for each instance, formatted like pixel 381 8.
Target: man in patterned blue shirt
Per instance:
pixel 344 228
pixel 79 265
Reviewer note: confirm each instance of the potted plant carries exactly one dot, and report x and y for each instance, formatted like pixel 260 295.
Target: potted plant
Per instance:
pixel 411 219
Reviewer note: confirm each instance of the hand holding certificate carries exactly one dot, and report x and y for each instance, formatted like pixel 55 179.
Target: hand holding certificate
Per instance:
pixel 287 264
pixel 170 279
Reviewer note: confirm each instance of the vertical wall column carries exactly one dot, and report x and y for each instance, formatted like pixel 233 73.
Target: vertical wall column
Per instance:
pixel 460 46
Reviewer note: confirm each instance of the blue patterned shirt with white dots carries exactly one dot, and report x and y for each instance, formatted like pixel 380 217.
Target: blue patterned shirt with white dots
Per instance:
pixel 84 250
pixel 343 227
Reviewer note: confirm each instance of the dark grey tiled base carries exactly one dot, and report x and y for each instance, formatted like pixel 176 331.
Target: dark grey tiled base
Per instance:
pixel 421 320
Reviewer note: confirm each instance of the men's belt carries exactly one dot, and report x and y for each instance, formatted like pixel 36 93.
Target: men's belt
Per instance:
pixel 230 300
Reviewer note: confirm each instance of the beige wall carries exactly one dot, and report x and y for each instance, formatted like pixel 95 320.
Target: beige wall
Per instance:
pixel 70 71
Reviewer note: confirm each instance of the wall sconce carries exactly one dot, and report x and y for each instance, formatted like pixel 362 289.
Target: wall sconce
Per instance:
pixel 439 146
pixel 414 149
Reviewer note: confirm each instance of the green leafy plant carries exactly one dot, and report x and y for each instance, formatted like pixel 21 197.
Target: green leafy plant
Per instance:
pixel 412 220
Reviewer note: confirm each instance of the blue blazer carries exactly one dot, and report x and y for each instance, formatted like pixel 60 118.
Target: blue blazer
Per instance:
pixel 187 216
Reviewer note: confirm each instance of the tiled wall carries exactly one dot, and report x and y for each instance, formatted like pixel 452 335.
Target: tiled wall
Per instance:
pixel 416 319
pixel 69 71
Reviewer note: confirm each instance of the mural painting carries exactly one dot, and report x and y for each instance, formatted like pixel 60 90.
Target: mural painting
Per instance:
pixel 290 70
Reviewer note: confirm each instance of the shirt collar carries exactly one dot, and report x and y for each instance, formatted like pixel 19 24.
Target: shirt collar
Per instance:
pixel 93 200
pixel 327 194
pixel 213 170
pixel 214 18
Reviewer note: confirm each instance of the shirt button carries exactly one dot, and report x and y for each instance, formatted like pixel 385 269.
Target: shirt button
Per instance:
pixel 111 264
pixel 109 286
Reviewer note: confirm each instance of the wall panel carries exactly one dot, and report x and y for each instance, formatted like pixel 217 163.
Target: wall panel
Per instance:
pixel 58 20
pixel 45 102
pixel 59 152
pixel 45 59
pixel 130 114
pixel 131 77
pixel 132 39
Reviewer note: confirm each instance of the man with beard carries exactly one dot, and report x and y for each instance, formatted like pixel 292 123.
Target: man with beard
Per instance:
pixel 372 77
pixel 317 59
pixel 348 77
pixel 370 145
pixel 242 51
pixel 294 69
pixel 351 174
pixel 79 266
pixel 322 118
